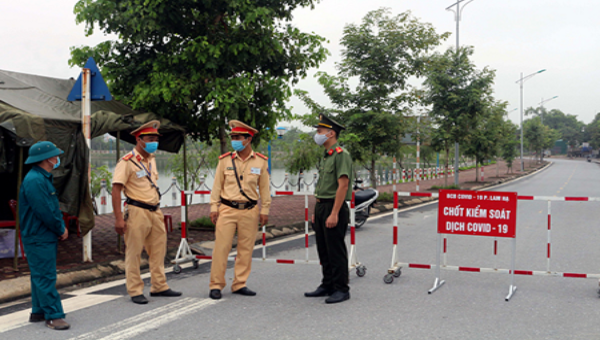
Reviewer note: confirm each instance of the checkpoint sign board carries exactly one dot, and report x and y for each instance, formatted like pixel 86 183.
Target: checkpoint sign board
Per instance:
pixel 477 213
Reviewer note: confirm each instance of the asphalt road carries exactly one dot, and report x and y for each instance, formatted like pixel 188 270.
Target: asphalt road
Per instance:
pixel 468 306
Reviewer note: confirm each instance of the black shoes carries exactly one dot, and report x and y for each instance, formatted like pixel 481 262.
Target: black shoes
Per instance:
pixel 338 296
pixel 244 291
pixel 139 299
pixel 215 294
pixel 319 292
pixel 37 317
pixel 168 292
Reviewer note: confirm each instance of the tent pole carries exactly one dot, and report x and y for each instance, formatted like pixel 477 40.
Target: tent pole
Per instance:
pixel 185 178
pixel 86 108
pixel 119 239
pixel 17 224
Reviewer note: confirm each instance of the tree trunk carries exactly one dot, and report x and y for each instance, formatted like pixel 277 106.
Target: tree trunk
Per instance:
pixel 373 179
pixel 497 167
pixel 446 168
pixel 476 169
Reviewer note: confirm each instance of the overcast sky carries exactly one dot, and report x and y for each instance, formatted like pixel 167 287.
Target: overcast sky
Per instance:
pixel 510 36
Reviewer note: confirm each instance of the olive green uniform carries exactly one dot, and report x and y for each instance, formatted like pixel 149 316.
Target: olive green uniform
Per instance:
pixel 331 246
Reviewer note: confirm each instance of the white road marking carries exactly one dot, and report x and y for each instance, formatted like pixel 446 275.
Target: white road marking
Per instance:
pixel 21 318
pixel 144 322
pixel 83 299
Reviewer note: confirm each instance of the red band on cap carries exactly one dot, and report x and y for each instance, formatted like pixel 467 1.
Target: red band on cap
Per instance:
pixel 242 130
pixel 147 131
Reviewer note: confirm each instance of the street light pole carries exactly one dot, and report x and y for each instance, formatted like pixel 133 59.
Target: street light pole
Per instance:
pixel 457 16
pixel 521 106
pixel 541 104
pixel 521 81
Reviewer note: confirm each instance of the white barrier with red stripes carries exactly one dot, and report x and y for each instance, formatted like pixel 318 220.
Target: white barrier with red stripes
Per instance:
pixel 184 253
pixel 307 259
pixel 396 266
pixel 353 263
pixel 501 271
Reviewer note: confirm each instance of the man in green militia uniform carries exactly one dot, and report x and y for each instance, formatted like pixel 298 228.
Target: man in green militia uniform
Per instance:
pixel 331 217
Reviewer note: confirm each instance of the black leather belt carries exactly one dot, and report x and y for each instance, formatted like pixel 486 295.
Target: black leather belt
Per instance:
pixel 239 205
pixel 142 204
pixel 325 200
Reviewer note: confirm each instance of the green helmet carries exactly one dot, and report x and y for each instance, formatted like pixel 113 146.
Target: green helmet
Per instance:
pixel 42 150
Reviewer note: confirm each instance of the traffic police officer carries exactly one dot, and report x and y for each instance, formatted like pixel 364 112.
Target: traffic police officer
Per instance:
pixel 331 217
pixel 143 222
pixel 233 208
pixel 42 226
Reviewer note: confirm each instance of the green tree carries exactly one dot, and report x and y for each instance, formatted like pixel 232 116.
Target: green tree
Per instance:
pixel 550 137
pixel 538 136
pixel 509 144
pixel 566 124
pixel 201 63
pixel 302 154
pixel 200 162
pixel 592 132
pixel 458 93
pixel 484 139
pixel 379 55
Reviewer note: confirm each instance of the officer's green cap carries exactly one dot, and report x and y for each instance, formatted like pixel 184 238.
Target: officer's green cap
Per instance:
pixel 329 123
pixel 41 151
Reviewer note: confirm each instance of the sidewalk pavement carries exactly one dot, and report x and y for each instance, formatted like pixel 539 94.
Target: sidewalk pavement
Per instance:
pixel 285 211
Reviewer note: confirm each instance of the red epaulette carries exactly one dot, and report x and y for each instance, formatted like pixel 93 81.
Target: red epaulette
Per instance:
pixel 339 150
pixel 330 152
pixel 261 155
pixel 127 157
pixel 224 155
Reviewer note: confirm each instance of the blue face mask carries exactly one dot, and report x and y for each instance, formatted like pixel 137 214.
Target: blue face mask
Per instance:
pixel 54 166
pixel 237 145
pixel 151 147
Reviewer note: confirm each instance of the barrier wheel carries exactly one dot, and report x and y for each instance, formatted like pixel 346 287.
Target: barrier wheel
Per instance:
pixel 196 264
pixel 176 269
pixel 397 273
pixel 361 271
pixel 388 278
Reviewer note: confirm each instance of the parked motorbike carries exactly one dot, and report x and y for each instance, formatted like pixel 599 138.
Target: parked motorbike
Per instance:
pixel 364 199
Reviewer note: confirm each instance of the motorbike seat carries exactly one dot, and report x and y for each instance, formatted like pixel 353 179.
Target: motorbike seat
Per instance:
pixel 363 196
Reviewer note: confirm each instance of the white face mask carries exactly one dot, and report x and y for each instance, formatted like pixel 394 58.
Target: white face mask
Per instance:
pixel 321 139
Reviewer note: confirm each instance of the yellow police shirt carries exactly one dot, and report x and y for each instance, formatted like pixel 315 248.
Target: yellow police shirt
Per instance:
pixel 135 184
pixel 255 174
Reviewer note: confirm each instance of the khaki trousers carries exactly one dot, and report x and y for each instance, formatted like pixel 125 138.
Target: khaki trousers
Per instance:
pixel 246 224
pixel 145 230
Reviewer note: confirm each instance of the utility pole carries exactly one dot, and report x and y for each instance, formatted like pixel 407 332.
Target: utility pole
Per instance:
pixel 457 17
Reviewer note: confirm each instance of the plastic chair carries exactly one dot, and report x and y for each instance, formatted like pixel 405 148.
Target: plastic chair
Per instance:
pixel 168 223
pixel 13 208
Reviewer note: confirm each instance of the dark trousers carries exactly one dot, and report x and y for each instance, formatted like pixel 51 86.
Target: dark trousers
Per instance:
pixel 331 246
pixel 45 300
